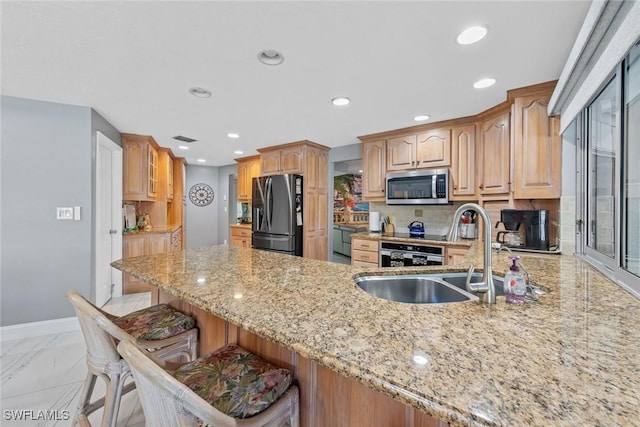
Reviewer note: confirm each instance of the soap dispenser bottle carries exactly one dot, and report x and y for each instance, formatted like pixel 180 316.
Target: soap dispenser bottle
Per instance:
pixel 514 285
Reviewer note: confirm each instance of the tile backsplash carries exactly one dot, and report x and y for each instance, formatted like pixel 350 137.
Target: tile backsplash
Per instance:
pixel 436 218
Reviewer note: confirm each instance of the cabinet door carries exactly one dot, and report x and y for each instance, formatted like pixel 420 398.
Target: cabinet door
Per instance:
pixel 433 149
pixel 134 170
pixel 244 181
pixel 270 162
pixel 374 155
pixel 159 243
pixel 455 255
pixel 463 163
pixel 401 153
pixel 537 149
pixel 132 246
pixel 170 179
pixel 292 159
pixel 152 165
pixel 495 161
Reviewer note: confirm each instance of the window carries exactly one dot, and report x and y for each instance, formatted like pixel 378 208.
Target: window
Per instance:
pixel 609 167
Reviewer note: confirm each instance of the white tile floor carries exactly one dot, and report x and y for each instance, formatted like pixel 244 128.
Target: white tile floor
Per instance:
pixel 46 374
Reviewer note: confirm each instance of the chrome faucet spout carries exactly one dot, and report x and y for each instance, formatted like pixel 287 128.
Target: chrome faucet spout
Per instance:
pixel 486 287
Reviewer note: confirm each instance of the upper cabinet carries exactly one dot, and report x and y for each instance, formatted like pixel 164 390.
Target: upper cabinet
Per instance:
pixel 248 168
pixel 282 159
pixel 140 171
pixel 433 149
pixel 538 149
pixel 374 169
pixel 494 161
pixel 463 163
pixel 510 151
pixel 424 150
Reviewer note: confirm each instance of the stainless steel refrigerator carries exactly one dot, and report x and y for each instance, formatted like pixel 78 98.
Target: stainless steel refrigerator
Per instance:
pixel 277 213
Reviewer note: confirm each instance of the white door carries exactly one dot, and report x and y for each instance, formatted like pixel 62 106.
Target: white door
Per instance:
pixel 108 218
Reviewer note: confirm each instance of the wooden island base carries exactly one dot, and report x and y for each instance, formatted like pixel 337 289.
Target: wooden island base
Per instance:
pixel 326 397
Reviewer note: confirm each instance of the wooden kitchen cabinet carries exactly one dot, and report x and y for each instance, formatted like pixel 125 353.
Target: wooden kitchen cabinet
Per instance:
pixel 282 159
pixel 463 163
pixel 401 153
pixel 140 168
pixel 455 254
pixel 433 149
pixel 537 149
pixel 165 174
pixel 364 252
pixel 315 204
pixel 248 168
pixel 374 169
pixel 430 149
pixel 139 244
pixel 240 236
pixel 494 159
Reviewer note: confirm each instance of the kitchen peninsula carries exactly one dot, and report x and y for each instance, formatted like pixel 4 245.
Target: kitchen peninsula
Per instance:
pixel 569 359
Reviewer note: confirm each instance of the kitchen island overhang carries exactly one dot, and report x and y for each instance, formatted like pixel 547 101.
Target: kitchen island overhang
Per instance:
pixel 541 364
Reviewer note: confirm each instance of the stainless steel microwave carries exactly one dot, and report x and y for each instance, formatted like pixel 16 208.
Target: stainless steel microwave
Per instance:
pixel 418 187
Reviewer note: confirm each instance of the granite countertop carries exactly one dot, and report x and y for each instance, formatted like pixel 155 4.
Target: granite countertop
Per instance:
pixel 573 358
pixel 154 230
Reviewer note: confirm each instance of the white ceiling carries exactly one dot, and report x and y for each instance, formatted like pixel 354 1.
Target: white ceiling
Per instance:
pixel 133 62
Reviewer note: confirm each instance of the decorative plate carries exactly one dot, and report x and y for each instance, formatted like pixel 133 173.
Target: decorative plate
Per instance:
pixel 201 194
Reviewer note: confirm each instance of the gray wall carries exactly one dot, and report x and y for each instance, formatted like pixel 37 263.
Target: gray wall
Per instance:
pixel 47 161
pixel 229 203
pixel 202 222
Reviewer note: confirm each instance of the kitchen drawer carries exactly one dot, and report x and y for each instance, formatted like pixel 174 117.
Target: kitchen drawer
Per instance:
pixel 364 256
pixel 356 263
pixel 240 232
pixel 365 245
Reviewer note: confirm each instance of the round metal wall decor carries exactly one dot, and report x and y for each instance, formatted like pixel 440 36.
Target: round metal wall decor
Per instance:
pixel 201 194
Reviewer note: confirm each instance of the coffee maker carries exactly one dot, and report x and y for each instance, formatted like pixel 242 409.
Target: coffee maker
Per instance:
pixel 536 229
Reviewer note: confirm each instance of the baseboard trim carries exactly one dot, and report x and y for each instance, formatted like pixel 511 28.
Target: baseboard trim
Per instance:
pixel 37 329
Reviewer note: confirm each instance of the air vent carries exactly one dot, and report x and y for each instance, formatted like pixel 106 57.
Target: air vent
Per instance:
pixel 184 138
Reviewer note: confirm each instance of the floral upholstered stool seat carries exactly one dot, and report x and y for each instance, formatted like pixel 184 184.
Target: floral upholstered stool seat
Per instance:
pixel 167 332
pixel 229 387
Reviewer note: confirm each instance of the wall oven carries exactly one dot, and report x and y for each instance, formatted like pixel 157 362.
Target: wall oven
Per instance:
pixel 419 187
pixel 397 254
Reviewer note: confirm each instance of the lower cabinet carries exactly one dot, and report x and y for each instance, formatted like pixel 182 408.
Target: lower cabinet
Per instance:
pixel 134 245
pixel 240 236
pixel 455 254
pixel 364 252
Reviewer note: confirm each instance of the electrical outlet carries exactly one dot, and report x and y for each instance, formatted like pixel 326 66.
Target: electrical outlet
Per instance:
pixel 64 213
pixel 417 212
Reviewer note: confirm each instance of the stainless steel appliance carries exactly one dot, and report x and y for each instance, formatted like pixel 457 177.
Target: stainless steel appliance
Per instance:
pixel 536 229
pixel 419 187
pixel 277 213
pixel 399 254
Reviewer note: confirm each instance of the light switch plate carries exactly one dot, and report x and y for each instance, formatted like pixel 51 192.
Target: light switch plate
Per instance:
pixel 76 213
pixel 64 213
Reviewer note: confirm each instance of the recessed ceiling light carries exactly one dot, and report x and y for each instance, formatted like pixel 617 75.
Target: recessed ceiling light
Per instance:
pixel 341 100
pixel 199 92
pixel 421 117
pixel 472 34
pixel 270 57
pixel 233 135
pixel 202 161
pixel 483 83
pixel 183 147
pixel 238 152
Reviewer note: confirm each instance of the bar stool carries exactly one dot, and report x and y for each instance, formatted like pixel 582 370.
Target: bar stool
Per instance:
pixel 229 387
pixel 167 332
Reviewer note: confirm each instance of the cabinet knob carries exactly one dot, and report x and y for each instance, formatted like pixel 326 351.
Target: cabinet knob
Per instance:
pixel 455 187
pixel 481 186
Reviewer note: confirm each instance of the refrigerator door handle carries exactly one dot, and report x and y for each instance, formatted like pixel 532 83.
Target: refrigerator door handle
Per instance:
pixel 268 204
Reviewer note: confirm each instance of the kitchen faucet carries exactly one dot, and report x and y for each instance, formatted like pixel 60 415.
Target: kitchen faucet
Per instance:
pixel 486 287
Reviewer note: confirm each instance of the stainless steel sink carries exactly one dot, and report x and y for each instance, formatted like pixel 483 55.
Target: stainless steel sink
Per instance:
pixel 459 280
pixel 416 289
